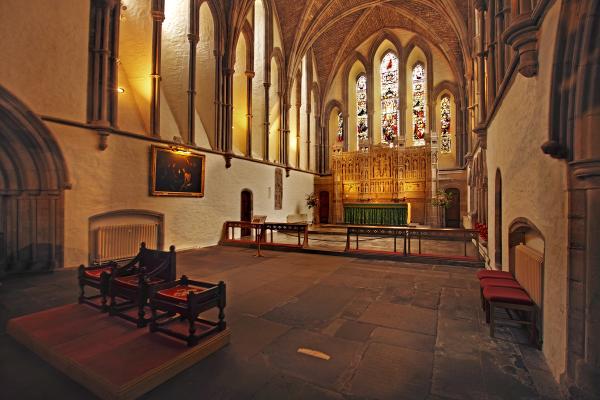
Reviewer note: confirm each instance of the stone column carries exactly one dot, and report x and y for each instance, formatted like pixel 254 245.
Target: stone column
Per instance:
pixel 193 37
pixel 158 16
pixel 285 132
pixel 100 55
pixel 267 85
pixel 228 115
pixel 249 77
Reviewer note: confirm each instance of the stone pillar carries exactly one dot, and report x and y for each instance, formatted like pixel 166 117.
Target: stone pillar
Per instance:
pixel 158 16
pixel 249 77
pixel 193 38
pixel 285 132
pixel 101 92
pixel 228 116
pixel 267 85
pixel 491 52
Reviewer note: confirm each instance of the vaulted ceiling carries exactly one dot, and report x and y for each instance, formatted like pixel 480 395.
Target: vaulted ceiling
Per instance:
pixel 334 28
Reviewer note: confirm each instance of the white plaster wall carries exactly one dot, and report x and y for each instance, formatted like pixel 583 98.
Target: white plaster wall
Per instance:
pixel 205 79
pixel 175 54
pixel 274 113
pixel 240 95
pixel 135 66
pixel 54 81
pixel 118 178
pixel 533 184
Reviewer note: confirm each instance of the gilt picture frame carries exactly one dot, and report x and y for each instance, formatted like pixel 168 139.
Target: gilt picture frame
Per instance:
pixel 177 172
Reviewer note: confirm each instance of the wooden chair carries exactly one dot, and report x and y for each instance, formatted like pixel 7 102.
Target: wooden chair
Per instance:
pixel 186 299
pixel 132 282
pixel 97 277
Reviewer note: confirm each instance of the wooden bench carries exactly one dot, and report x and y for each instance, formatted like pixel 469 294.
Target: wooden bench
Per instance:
pixel 500 289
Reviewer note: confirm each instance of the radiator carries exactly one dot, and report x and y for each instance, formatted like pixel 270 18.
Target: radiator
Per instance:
pixel 119 242
pixel 529 271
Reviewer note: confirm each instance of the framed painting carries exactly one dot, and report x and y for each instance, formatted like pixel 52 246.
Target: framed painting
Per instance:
pixel 177 172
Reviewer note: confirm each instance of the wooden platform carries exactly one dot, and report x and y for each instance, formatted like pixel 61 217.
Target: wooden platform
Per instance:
pixel 107 355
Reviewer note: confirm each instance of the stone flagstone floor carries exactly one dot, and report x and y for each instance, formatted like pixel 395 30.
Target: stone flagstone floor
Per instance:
pixel 392 331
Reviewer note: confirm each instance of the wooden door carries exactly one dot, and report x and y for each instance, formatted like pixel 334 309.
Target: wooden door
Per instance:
pixel 453 212
pixel 246 212
pixel 324 207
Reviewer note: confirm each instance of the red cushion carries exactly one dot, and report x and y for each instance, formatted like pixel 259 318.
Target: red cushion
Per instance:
pixel 486 273
pixel 499 282
pixel 95 273
pixel 179 292
pixel 133 280
pixel 506 295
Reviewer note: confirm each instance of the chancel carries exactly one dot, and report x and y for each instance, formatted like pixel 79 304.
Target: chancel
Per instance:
pixel 304 199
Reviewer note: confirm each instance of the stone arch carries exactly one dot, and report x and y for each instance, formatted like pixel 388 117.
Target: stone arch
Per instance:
pixel 452 89
pixel 347 87
pixel 33 177
pixel 418 43
pixel 325 118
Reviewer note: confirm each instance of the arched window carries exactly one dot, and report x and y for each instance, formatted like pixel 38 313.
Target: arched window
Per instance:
pixel 445 140
pixel 340 130
pixel 362 128
pixel 419 102
pixel 389 98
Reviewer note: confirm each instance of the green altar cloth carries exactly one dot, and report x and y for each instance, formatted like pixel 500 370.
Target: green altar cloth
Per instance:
pixel 392 214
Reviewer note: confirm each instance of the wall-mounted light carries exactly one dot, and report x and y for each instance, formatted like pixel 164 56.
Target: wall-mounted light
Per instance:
pixel 120 90
pixel 180 150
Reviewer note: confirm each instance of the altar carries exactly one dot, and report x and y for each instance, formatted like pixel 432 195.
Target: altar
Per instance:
pixel 389 214
pixel 381 185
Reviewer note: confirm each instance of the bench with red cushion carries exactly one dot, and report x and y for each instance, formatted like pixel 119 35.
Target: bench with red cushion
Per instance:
pixel 506 295
pixel 511 299
pixel 510 283
pixel 486 273
pixel 186 299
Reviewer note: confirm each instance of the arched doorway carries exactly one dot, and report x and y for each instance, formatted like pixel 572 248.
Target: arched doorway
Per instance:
pixel 498 220
pixel 246 210
pixel 33 176
pixel 453 211
pixel 324 207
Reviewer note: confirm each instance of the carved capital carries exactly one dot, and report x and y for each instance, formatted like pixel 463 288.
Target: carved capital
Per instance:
pixel 103 140
pixel 481 132
pixel 522 36
pixel 193 38
pixel 479 5
pixel 588 169
pixel 554 149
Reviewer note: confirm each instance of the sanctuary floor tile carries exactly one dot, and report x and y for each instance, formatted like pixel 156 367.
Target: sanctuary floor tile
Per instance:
pixel 391 330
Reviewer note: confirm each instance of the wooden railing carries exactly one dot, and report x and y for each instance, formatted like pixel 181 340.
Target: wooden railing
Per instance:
pixel 403 237
pixel 263 233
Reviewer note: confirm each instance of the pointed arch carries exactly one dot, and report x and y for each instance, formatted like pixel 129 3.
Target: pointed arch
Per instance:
pixel 33 177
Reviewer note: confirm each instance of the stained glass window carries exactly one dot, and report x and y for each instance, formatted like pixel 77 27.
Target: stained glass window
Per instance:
pixel 419 104
pixel 445 141
pixel 389 98
pixel 362 128
pixel 340 130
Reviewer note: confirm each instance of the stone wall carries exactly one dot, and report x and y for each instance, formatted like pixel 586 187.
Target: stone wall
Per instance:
pixel 533 185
